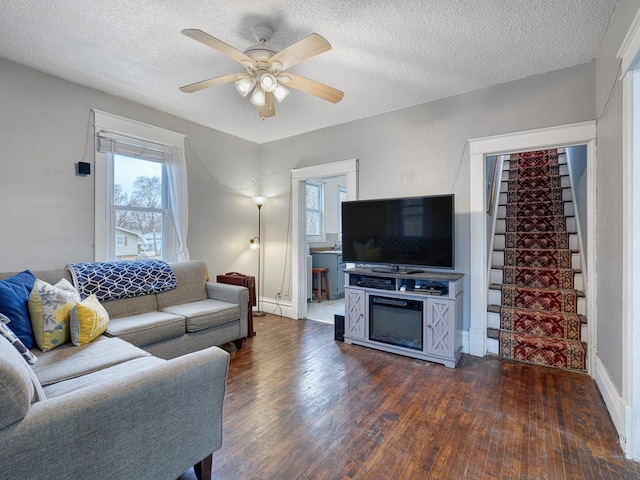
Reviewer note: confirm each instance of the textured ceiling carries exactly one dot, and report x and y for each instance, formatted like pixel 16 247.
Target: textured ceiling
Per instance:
pixel 386 54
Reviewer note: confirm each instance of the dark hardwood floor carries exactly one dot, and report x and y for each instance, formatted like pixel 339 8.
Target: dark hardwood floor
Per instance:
pixel 301 406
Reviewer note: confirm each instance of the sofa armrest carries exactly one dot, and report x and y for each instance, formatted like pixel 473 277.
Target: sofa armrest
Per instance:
pixel 232 294
pixel 149 424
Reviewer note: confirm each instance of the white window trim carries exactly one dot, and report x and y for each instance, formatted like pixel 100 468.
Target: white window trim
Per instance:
pixel 103 174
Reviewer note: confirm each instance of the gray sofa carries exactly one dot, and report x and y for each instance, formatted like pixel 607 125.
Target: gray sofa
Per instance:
pixel 144 400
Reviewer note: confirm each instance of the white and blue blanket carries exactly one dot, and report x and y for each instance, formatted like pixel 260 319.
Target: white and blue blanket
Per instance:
pixel 123 279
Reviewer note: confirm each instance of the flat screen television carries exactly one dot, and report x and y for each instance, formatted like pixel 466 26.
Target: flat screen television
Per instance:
pixel 400 232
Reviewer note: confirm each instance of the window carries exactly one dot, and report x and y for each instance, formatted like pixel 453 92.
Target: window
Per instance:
pixel 141 192
pixel 139 205
pixel 314 205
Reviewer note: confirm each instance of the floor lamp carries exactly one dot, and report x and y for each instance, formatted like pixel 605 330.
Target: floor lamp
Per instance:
pixel 254 244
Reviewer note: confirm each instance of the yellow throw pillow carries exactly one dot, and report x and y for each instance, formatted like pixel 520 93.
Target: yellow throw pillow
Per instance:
pixel 89 320
pixel 49 308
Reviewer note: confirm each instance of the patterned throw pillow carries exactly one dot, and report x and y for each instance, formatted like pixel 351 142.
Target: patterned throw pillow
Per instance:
pixel 50 306
pixel 6 332
pixel 89 320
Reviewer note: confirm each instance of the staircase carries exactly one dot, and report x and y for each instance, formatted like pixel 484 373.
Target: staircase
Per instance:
pixel 537 309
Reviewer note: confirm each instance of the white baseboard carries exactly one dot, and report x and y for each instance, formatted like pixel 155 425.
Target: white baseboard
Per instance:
pixel 284 309
pixel 612 399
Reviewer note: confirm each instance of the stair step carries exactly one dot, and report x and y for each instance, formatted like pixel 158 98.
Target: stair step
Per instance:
pixel 500 239
pixel 565 182
pixel 563 170
pixel 495 298
pixel 502 209
pixel 495 286
pixel 564 195
pixel 498 260
pixel 495 309
pixel 569 224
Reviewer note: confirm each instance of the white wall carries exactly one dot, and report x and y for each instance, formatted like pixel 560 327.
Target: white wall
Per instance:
pixel 609 196
pixel 422 150
pixel 47 212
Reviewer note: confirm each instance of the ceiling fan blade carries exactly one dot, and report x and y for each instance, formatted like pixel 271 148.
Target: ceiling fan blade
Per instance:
pixel 212 82
pixel 269 107
pixel 311 87
pixel 308 47
pixel 216 44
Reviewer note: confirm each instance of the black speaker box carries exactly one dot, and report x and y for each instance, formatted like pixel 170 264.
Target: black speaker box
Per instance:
pixel 339 327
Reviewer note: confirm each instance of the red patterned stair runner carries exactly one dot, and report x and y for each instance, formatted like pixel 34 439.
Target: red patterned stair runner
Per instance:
pixel 538 317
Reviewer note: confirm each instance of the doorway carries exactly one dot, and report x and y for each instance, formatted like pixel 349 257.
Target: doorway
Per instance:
pixel 574 134
pixel 300 247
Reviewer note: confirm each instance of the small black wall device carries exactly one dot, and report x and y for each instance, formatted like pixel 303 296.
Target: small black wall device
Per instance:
pixel 83 168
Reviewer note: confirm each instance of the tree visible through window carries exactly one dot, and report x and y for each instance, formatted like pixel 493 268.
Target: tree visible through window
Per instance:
pixel 139 203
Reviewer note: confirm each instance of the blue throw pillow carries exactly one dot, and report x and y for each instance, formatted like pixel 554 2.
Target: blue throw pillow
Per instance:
pixel 14 303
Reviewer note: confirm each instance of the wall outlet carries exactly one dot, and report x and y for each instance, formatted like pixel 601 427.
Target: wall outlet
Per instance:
pixel 286 292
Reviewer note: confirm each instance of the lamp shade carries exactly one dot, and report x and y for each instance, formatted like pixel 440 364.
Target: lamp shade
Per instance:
pixel 259 200
pixel 258 97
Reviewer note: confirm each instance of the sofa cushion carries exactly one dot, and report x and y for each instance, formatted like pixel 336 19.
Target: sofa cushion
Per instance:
pixel 14 303
pixel 89 319
pixel 205 313
pixel 125 307
pixel 191 278
pixel 147 328
pixel 69 361
pixel 19 387
pixel 101 376
pixel 49 307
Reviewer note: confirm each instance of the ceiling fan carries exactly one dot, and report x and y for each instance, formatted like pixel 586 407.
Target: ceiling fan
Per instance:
pixel 264 67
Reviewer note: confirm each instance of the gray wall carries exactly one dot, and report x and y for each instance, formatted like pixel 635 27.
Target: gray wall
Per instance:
pixel 422 149
pixel 610 189
pixel 414 151
pixel 47 213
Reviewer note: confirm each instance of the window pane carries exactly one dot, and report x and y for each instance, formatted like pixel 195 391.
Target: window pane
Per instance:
pixel 313 197
pixel 139 231
pixel 313 223
pixel 137 182
pixel 139 234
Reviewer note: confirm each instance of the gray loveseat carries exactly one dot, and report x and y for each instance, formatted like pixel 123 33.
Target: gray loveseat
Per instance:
pixel 144 400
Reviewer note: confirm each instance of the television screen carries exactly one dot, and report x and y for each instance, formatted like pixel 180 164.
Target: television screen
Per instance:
pixel 416 231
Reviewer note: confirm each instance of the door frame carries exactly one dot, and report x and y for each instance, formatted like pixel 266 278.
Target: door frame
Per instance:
pixel 299 176
pixel 479 148
pixel 629 404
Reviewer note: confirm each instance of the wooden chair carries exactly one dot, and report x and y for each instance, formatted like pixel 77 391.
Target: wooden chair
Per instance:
pixel 321 293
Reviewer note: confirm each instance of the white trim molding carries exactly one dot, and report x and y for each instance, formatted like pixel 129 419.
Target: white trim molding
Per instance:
pixel 479 149
pixel 612 399
pixel 629 53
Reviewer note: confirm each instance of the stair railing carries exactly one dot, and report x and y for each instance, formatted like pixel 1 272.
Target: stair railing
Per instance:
pixel 492 195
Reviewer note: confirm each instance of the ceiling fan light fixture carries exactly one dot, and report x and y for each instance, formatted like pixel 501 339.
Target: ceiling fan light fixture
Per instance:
pixel 245 85
pixel 258 97
pixel 268 82
pixel 280 93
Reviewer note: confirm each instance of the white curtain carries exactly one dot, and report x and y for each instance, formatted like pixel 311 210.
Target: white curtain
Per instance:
pixel 178 201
